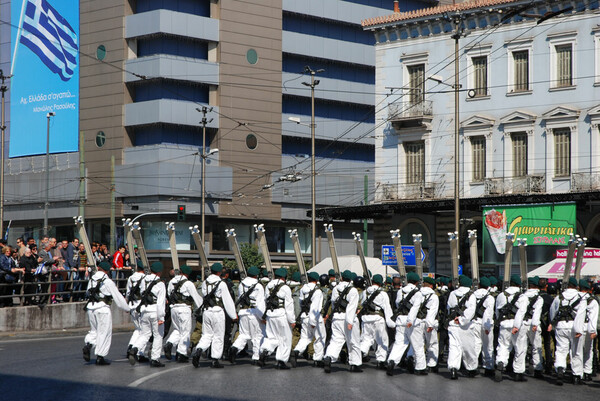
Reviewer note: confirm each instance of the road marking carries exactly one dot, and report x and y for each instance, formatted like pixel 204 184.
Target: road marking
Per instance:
pixel 152 376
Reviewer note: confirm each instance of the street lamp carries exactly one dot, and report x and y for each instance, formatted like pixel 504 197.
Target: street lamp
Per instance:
pixel 3 89
pixel 47 203
pixel 204 155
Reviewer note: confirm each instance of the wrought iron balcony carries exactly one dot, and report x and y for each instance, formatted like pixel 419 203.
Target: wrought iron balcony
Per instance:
pixel 528 184
pixel 394 192
pixel 585 182
pixel 410 114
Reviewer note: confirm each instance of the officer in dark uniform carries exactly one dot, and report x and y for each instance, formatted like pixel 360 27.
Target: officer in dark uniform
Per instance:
pixel 545 321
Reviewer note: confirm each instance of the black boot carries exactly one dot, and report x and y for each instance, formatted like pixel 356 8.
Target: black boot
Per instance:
pixel 318 364
pixel 422 372
pixel 519 377
pixel 143 359
pixel 327 364
pixel 433 369
pixel 87 349
pixel 281 365
pixel 196 358
pixel 381 366
pixel 366 358
pixel 232 354
pixel 410 364
pixel 262 358
pixel 577 380
pixel 101 361
pixel 499 372
pixel 560 376
pixel 129 347
pixel 216 364
pixel 168 348
pixel 355 369
pixel 453 374
pixel 180 358
pixel 294 359
pixel 538 374
pixel 133 356
pixel 473 373
pixel 390 368
pixel 156 364
pixel 489 373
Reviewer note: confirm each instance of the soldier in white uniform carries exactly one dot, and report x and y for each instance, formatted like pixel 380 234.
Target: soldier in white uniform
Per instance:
pixel 216 302
pixel 152 309
pixel 590 326
pixel 313 325
pixel 251 300
pixel 430 324
pixel 408 304
pixel 182 296
pixel 483 324
pixel 462 344
pixel 133 296
pixel 567 319
pixel 506 309
pixel 376 316
pixel 280 321
pixel 101 293
pixel 527 325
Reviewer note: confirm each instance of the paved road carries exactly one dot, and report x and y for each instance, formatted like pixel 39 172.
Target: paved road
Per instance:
pixel 52 369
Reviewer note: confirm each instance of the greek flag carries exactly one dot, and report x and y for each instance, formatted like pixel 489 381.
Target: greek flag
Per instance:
pixel 49 35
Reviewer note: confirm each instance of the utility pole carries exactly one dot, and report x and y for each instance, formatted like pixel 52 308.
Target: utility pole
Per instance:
pixel 365 223
pixel 204 110
pixel 47 202
pixel 113 227
pixel 81 174
pixel 3 89
pixel 313 237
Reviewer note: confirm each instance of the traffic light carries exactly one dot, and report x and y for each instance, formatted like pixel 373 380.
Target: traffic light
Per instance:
pixel 180 212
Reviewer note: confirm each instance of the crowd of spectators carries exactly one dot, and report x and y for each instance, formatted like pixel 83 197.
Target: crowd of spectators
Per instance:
pixel 54 271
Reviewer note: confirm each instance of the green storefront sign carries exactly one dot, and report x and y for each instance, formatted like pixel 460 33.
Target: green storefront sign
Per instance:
pixel 548 225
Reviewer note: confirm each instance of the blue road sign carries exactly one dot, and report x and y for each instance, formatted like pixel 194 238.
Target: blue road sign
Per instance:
pixel 460 269
pixel 388 255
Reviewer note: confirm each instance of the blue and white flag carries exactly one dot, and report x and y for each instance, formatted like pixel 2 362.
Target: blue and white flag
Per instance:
pixel 50 37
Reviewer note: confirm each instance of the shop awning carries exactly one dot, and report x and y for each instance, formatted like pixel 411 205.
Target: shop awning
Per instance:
pixel 590 267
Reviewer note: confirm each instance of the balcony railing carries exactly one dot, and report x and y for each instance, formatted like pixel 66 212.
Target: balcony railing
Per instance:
pixel 393 192
pixel 585 182
pixel 529 184
pixel 406 111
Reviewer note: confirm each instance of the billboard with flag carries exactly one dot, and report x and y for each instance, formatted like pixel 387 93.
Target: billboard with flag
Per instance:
pixel 45 69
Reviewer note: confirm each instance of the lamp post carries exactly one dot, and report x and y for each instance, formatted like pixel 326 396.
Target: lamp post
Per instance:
pixel 204 110
pixel 3 89
pixel 47 203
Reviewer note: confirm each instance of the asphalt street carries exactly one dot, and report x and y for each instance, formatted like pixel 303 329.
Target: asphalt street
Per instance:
pixel 53 369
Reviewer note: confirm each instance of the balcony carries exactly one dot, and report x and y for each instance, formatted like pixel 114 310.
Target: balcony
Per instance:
pixel 411 115
pixel 585 182
pixel 529 184
pixel 395 192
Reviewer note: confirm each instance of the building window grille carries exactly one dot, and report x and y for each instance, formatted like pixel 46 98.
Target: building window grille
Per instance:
pixel 416 77
pixel 415 162
pixel 519 141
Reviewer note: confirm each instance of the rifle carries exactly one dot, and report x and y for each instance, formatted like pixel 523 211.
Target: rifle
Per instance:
pixel 298 252
pixel 522 242
pixel 173 247
pixel 453 238
pixel 174 298
pixel 510 240
pixel 305 306
pixel 147 293
pixel 363 262
pixel 459 308
pixel 272 301
pixel 200 248
pixel 368 304
pixel 233 245
pixel 569 262
pixel 244 299
pixel 94 293
pixel 332 251
pixel 399 256
pixel 404 304
pixel 264 248
pixel 474 258
pixel 135 290
pixel 417 240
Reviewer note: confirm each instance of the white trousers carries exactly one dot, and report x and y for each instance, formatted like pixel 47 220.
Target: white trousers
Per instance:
pixel 136 319
pixel 307 334
pixel 487 348
pixel 100 334
pixel 525 337
pixel 278 336
pixel 181 322
pixel 567 343
pixel 506 342
pixel 404 338
pixel 588 354
pixel 375 332
pixel 432 346
pixel 340 335
pixel 149 327
pixel 464 345
pixel 251 329
pixel 213 333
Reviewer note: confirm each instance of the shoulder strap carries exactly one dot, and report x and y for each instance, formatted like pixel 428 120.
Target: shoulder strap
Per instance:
pixel 178 286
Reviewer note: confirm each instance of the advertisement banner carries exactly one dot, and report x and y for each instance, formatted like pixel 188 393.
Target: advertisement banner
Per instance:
pixel 543 225
pixel 45 69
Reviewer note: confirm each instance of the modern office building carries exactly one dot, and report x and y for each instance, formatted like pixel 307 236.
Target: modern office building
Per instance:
pixel 157 76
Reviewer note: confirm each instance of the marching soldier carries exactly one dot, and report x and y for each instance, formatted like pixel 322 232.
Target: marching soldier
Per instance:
pixel 101 291
pixel 527 326
pixel 408 302
pixel 430 323
pixel 344 325
pixel 133 296
pixel 376 315
pixel 152 310
pixel 280 321
pixel 461 345
pixel 251 300
pixel 506 308
pixel 216 302
pixel 484 324
pixel 182 297
pixel 590 328
pixel 313 326
pixel 567 318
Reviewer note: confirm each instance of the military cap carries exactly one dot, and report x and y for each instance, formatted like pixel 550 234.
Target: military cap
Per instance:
pixel 573 281
pixel 584 285
pixel 388 280
pixel 216 267
pixel 281 272
pixel 104 265
pixel 331 272
pixel 465 281
pixel 354 275
pixel 412 277
pixel 313 276
pixel 534 281
pixel 429 280
pixel 515 279
pixel 484 282
pixel 185 269
pixel 296 276
pixel 493 281
pixel 253 271
pixel 264 272
pixel 139 264
pixel 156 267
pixel 378 279
pixel 347 275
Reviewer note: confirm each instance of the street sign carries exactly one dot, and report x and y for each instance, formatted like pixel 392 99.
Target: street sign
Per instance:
pixel 388 255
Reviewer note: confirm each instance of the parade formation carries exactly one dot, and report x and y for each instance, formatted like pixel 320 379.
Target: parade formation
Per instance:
pixel 407 322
